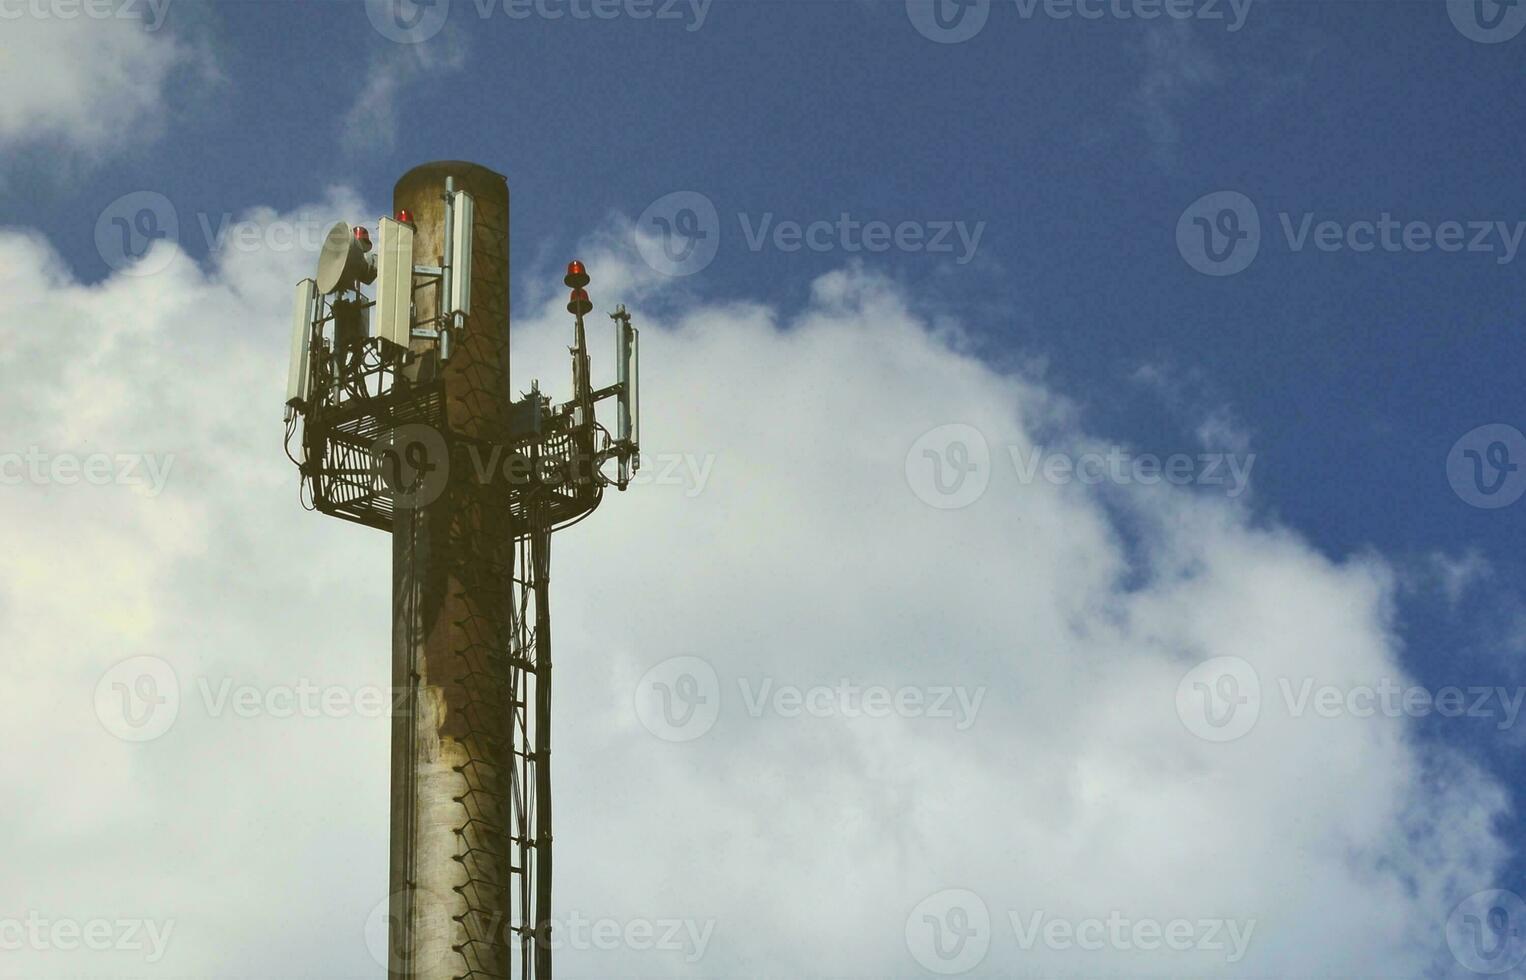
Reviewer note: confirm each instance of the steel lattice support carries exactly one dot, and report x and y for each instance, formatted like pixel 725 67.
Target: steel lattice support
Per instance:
pixel 531 805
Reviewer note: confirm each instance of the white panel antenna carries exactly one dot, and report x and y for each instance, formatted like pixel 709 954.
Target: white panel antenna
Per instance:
pixel 628 406
pixel 304 311
pixel 394 283
pixel 635 407
pixel 463 214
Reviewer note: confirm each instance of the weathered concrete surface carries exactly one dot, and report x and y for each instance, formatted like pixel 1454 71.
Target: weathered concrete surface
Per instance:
pixel 452 628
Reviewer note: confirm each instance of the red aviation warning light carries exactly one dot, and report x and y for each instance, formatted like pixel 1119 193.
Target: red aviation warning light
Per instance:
pixel 364 238
pixel 405 217
pixel 576 279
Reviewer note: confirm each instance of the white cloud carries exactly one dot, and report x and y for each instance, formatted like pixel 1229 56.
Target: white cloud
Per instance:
pixel 1182 72
pixel 1191 395
pixel 1222 431
pixel 86 84
pixel 371 123
pixel 1457 574
pixel 1176 67
pixel 805 560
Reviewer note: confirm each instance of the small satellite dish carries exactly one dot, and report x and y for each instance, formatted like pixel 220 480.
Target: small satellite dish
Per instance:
pixel 343 262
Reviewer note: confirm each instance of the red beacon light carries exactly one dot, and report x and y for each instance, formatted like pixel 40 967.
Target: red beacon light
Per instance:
pixel 404 216
pixel 577 276
pixel 579 304
pixel 364 238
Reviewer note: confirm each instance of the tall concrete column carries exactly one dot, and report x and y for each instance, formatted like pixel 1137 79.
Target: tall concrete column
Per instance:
pixel 453 562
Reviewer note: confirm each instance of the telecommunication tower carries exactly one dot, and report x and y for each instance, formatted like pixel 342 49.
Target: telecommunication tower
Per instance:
pixel 407 424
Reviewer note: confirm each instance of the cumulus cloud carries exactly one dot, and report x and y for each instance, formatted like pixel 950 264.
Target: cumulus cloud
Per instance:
pixel 88 84
pixel 789 534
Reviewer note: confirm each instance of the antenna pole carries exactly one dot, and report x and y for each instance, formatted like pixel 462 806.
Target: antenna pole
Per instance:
pixel 540 557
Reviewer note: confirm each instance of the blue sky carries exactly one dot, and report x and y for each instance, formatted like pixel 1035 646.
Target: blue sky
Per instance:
pixel 1076 146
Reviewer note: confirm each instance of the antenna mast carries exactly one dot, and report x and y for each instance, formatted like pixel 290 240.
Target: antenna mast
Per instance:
pixel 401 400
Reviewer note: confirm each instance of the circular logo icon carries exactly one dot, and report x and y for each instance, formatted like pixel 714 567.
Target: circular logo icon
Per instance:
pixel 949 467
pixel 948 21
pixel 1220 233
pixel 1487 21
pixel 408 21
pixel 1487 932
pixel 679 699
pixel 679 233
pixel 137 232
pixel 1219 700
pixel 1487 467
pixel 390 927
pixel 949 931
pixel 414 465
pixel 138 699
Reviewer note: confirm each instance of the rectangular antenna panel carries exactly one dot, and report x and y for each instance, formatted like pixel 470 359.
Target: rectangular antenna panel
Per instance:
pixel 623 379
pixel 394 282
pixel 635 396
pixel 464 213
pixel 304 311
